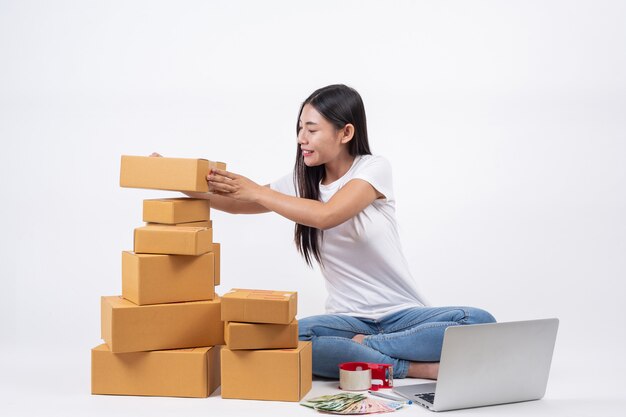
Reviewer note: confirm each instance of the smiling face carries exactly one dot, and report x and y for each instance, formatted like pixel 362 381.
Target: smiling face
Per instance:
pixel 319 140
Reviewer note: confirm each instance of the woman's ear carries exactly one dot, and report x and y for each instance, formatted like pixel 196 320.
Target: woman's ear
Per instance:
pixel 348 133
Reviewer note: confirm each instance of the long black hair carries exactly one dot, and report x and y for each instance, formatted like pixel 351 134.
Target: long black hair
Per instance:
pixel 340 105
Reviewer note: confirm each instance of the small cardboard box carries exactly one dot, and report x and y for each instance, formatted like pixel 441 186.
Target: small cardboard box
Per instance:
pixel 127 327
pixel 260 335
pixel 203 223
pixel 173 240
pixel 217 251
pixel 176 210
pixel 176 174
pixel 157 279
pixel 259 306
pixel 167 373
pixel 275 375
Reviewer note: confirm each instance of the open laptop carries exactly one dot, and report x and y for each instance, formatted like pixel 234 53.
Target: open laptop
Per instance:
pixel 488 364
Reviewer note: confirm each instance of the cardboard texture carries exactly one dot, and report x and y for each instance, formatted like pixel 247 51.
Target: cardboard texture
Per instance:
pixel 203 223
pixel 173 240
pixel 176 174
pixel 176 210
pixel 127 327
pixel 155 279
pixel 217 250
pixel 275 375
pixel 259 306
pixel 171 373
pixel 261 335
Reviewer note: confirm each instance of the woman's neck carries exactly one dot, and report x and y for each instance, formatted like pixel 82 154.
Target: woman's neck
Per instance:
pixel 337 168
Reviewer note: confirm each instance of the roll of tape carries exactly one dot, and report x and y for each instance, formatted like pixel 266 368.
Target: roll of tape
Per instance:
pixel 355 376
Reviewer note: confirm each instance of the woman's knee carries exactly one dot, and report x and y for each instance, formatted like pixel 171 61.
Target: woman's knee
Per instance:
pixel 305 329
pixel 307 326
pixel 328 325
pixel 479 316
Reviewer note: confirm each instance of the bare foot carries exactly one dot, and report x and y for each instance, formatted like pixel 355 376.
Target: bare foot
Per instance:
pixel 425 370
pixel 359 338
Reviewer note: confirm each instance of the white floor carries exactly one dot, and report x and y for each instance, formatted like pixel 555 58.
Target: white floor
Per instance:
pixel 44 382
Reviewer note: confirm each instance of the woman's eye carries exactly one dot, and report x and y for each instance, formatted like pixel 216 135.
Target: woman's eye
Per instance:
pixel 312 131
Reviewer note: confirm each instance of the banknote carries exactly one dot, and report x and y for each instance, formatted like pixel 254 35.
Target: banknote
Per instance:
pixel 351 404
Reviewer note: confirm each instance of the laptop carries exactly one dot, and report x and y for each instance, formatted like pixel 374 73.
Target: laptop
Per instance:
pixel 489 364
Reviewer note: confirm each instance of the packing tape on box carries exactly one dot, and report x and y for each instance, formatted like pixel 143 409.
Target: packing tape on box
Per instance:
pixel 358 376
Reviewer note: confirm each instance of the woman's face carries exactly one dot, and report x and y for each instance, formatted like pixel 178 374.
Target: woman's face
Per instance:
pixel 319 140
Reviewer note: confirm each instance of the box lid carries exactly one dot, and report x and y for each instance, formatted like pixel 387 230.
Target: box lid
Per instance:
pixel 247 294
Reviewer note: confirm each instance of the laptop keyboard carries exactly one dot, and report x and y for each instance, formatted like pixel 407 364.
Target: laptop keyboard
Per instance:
pixel 427 396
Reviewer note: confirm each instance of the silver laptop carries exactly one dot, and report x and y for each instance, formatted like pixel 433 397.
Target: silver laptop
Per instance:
pixel 488 364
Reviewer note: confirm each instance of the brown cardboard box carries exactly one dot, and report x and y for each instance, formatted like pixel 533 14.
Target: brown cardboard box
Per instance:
pixel 217 250
pixel 171 373
pixel 260 335
pixel 155 279
pixel 173 240
pixel 216 246
pixel 176 210
pixel 177 174
pixel 127 327
pixel 203 223
pixel 259 306
pixel 276 374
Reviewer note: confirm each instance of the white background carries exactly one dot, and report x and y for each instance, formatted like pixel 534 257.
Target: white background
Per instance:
pixel 504 122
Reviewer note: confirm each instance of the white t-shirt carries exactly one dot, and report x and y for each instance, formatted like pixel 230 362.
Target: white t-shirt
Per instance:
pixel 366 272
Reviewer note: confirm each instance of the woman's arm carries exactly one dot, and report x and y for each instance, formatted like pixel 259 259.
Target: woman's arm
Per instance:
pixel 351 199
pixel 229 205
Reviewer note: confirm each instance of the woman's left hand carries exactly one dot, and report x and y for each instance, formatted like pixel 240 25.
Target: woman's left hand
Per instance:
pixel 233 185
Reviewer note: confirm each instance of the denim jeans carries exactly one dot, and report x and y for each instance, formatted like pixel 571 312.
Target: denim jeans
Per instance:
pixel 411 335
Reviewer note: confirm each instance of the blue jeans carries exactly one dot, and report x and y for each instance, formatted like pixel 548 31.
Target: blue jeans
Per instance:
pixel 411 335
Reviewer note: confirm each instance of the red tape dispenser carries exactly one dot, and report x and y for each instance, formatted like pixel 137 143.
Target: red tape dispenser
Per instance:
pixel 361 376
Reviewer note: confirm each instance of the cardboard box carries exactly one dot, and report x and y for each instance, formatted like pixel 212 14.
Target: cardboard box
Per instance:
pixel 176 210
pixel 127 327
pixel 203 223
pixel 259 306
pixel 261 335
pixel 168 373
pixel 156 279
pixel 216 246
pixel 275 375
pixel 173 240
pixel 176 174
pixel 217 251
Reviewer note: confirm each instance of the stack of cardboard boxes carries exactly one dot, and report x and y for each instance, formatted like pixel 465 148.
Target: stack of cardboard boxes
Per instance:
pixel 163 335
pixel 263 359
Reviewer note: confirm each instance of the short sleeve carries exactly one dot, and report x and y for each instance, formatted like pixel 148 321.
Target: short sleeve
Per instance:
pixel 377 171
pixel 284 185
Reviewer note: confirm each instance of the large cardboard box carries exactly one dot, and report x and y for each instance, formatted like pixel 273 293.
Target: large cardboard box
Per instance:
pixel 259 306
pixel 173 240
pixel 191 372
pixel 261 335
pixel 176 210
pixel 157 279
pixel 275 375
pixel 127 327
pixel 203 223
pixel 217 251
pixel 177 174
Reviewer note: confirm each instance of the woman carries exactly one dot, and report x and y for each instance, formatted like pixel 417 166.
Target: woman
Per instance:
pixel 341 198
